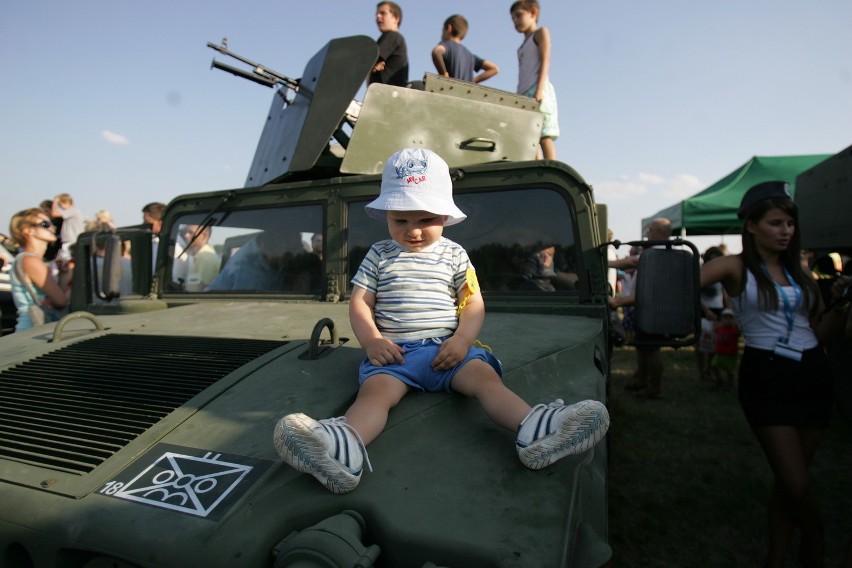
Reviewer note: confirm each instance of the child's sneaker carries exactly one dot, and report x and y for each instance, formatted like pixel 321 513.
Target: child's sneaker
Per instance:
pixel 551 432
pixel 330 450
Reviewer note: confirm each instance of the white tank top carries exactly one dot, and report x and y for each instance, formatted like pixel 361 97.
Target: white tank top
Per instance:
pixel 762 329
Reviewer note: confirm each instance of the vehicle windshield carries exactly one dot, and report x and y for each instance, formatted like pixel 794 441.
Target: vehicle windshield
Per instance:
pixel 518 240
pixel 260 250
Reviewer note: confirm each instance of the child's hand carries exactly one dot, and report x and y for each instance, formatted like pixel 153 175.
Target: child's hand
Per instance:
pixel 383 352
pixel 452 352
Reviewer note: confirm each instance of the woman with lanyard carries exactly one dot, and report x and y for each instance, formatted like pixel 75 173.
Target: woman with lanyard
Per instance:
pixel 785 386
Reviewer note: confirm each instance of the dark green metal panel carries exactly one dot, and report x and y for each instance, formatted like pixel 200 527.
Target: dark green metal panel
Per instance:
pixel 824 197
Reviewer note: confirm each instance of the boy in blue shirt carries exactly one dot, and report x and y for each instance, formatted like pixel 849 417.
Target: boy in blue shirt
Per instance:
pixel 452 59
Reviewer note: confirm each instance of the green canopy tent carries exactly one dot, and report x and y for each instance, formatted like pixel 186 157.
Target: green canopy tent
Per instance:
pixel 713 211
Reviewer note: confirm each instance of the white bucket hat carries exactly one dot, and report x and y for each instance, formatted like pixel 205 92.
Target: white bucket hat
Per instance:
pixel 416 179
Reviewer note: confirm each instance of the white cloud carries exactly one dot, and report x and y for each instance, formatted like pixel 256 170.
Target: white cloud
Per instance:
pixel 114 138
pixel 617 189
pixel 646 184
pixel 685 185
pixel 651 179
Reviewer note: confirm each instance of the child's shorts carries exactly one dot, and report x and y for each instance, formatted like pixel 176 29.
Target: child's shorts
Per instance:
pixel 548 108
pixel 725 363
pixel 417 371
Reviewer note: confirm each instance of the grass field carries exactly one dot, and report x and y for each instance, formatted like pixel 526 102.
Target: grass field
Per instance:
pixel 689 484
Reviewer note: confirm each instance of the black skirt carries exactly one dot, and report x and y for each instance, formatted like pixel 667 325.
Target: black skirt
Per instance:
pixel 777 391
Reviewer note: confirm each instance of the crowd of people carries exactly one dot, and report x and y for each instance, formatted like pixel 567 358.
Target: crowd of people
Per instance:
pixel 40 245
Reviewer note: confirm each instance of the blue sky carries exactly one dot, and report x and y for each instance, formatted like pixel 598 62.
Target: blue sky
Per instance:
pixel 115 103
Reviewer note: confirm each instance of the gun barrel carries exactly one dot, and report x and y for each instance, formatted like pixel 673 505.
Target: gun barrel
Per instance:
pixel 260 80
pixel 259 69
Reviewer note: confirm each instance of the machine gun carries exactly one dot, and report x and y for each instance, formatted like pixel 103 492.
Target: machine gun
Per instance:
pixel 298 132
pixel 261 74
pixel 323 131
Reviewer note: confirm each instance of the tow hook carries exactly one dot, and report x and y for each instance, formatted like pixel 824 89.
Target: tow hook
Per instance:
pixel 335 541
pixel 315 342
pixel 57 331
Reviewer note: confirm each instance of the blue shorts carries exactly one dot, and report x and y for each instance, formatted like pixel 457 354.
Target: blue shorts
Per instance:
pixel 417 371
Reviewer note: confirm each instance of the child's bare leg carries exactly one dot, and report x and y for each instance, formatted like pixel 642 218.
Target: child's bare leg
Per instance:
pixel 548 148
pixel 479 380
pixel 369 413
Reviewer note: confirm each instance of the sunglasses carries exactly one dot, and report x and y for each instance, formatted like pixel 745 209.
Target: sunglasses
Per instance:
pixel 43 224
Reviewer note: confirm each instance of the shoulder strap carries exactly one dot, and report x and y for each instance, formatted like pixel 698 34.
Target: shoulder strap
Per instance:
pixel 25 280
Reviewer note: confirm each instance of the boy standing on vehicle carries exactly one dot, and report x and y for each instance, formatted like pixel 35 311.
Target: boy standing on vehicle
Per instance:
pixel 534 70
pixel 392 65
pixel 416 310
pixel 452 59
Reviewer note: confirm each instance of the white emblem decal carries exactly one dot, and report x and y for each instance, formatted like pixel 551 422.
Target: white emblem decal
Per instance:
pixel 187 484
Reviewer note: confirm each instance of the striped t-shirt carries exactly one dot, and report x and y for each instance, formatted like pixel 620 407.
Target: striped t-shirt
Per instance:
pixel 415 292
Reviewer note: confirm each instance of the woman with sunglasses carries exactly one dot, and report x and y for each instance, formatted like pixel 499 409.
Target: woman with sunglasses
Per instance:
pixel 34 231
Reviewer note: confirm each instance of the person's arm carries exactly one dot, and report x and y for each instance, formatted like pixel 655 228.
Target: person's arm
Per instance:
pixel 489 69
pixel 389 43
pixel 707 312
pixel 55 211
pixel 625 263
pixel 438 59
pixel 380 351
pixel 58 294
pixel 621 301
pixel 832 320
pixel 454 350
pixel 725 269
pixel 542 40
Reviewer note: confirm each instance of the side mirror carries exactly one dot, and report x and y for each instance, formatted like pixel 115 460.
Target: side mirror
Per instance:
pixel 667 311
pixel 108 286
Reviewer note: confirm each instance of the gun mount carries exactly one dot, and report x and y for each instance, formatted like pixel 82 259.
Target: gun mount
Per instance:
pixel 323 128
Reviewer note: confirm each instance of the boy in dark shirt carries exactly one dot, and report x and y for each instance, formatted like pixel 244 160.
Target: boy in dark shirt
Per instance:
pixel 392 65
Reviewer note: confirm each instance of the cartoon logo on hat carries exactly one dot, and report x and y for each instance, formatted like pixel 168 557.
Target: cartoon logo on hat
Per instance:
pixel 413 170
pixel 412 166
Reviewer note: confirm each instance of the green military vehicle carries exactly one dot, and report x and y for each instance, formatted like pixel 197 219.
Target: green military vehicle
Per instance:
pixel 137 431
pixel 824 199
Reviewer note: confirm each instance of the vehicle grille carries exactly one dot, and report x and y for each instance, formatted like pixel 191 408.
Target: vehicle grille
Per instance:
pixel 73 408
